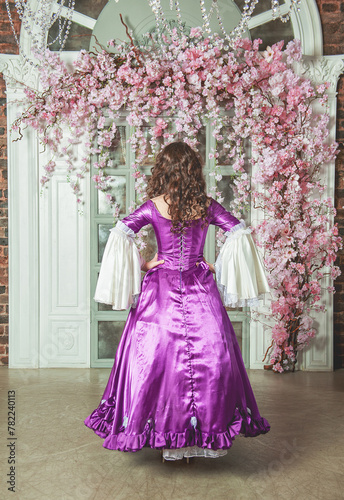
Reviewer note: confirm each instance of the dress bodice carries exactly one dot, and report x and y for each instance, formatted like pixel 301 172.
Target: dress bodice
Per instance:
pixel 181 250
pixel 240 275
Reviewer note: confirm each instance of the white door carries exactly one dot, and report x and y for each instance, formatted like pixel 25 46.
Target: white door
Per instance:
pixel 64 271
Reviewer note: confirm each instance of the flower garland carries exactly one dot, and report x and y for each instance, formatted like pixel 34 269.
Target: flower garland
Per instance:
pixel 178 87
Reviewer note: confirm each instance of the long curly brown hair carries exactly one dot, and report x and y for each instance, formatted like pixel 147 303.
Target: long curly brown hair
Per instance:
pixel 178 175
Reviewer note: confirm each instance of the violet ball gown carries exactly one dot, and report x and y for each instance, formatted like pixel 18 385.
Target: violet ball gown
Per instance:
pixel 178 382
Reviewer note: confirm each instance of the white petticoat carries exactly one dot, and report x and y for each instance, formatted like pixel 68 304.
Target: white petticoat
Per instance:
pixel 192 451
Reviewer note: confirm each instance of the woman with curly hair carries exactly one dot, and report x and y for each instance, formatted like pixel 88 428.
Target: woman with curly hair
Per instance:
pixel 178 383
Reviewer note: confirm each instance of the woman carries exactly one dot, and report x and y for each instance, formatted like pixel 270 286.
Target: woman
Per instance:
pixel 178 383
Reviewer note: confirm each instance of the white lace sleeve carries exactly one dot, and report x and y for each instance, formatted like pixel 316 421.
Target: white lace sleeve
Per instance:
pixel 119 281
pixel 240 274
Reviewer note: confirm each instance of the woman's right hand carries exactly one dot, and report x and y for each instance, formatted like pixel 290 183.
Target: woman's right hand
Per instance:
pixel 152 263
pixel 211 266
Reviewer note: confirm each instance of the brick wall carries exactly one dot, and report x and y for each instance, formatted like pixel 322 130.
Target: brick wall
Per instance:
pixel 332 18
pixel 7 46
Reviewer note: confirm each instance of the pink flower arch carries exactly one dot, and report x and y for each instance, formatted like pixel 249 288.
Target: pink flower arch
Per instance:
pixel 252 95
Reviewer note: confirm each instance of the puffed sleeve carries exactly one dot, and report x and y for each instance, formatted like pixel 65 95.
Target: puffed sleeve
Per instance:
pixel 240 274
pixel 119 281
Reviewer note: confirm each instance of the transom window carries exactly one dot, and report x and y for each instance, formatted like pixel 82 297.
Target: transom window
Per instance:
pixel 88 14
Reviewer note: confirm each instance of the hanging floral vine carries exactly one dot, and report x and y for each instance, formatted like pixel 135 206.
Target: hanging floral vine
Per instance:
pixel 187 82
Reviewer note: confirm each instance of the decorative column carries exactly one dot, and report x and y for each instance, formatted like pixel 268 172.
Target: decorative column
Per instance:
pixel 319 355
pixel 49 269
pixel 23 233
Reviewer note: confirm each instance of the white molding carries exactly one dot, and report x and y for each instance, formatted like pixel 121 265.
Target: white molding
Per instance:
pixel 15 71
pixel 321 69
pixel 265 17
pixel 28 347
pixel 77 17
pixel 260 339
pixel 307 27
pixel 260 332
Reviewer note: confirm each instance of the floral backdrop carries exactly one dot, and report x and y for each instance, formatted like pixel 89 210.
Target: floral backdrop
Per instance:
pixel 176 88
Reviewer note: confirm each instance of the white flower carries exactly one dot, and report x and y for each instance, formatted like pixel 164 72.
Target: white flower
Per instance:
pixel 268 54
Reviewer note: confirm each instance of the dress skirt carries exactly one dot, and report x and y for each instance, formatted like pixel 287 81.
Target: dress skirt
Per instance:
pixel 178 378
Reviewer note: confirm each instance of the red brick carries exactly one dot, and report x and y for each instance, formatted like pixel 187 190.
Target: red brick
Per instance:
pixel 4 298
pixel 3 280
pixel 330 7
pixel 4 360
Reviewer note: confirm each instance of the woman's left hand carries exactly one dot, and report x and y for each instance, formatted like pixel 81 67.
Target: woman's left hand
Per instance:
pixel 152 263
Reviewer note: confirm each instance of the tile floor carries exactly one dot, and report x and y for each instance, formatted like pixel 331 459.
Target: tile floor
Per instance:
pixel 57 457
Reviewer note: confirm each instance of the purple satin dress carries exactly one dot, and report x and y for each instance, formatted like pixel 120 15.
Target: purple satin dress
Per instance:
pixel 178 378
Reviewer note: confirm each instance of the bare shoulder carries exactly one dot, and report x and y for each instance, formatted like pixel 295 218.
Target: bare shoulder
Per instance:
pixel 162 206
pixel 159 201
pixel 158 198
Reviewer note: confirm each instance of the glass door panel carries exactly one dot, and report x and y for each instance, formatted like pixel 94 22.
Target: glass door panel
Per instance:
pixel 118 189
pixel 109 334
pixel 103 235
pixel 118 149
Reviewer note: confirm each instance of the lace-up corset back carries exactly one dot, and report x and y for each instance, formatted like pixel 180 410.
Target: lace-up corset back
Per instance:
pixel 182 250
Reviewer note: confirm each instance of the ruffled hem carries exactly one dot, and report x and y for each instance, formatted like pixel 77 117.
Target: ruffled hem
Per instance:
pixel 100 421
